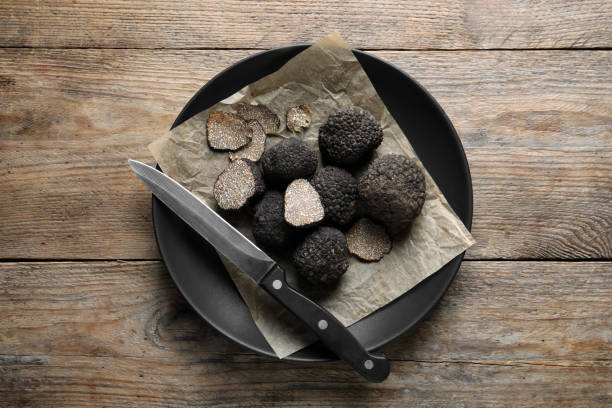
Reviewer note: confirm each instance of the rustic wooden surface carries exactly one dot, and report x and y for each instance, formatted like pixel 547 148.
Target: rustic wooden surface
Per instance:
pixel 89 314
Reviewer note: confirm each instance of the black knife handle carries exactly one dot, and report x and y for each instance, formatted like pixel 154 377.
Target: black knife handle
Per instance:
pixel 332 333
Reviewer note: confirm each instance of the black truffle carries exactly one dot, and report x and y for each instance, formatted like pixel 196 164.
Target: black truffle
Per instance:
pixel 239 183
pixel 339 194
pixel 299 118
pixel 255 148
pixel 349 136
pixel 393 190
pixel 269 227
pixel 368 240
pixel 303 207
pixel 268 120
pixel 289 160
pixel 323 256
pixel 227 131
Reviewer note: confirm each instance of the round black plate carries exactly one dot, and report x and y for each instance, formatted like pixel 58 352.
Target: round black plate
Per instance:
pixel 197 270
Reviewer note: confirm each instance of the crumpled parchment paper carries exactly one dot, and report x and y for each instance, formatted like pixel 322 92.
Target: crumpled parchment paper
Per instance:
pixel 326 76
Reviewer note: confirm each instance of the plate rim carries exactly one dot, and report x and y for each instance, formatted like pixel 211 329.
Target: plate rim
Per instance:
pixel 459 258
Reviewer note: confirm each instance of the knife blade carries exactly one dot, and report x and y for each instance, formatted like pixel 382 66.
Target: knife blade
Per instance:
pixel 254 262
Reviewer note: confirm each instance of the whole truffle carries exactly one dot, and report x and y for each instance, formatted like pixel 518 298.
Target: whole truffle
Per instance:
pixel 393 190
pixel 288 160
pixel 239 183
pixel 269 227
pixel 349 136
pixel 339 194
pixel 323 256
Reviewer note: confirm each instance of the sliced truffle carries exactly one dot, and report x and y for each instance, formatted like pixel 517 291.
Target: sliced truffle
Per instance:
pixel 237 184
pixel 323 256
pixel 288 160
pixel 269 227
pixel 298 118
pixel 349 136
pixel 367 240
pixel 339 194
pixel 268 120
pixel 255 148
pixel 303 207
pixel 227 131
pixel 393 190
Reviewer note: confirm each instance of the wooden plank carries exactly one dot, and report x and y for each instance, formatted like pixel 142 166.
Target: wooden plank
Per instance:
pixel 449 24
pixel 100 382
pixel 529 203
pixel 526 312
pixel 536 127
pixel 501 98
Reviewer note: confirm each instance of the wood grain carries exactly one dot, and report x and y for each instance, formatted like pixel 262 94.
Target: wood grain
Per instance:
pixel 538 142
pixel 450 24
pixel 551 313
pixel 108 381
pixel 496 98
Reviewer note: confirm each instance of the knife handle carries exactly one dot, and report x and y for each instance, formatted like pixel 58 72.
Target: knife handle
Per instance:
pixel 333 334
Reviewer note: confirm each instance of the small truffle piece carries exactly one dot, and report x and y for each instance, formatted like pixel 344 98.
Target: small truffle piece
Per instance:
pixel 255 148
pixel 323 256
pixel 237 184
pixel 349 136
pixel 303 207
pixel 268 120
pixel 288 160
pixel 269 227
pixel 299 118
pixel 227 131
pixel 367 240
pixel 339 194
pixel 393 190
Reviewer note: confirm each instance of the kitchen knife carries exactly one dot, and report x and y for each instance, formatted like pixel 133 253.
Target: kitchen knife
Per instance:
pixel 262 269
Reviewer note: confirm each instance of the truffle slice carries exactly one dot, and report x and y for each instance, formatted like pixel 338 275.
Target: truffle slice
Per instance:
pixel 303 206
pixel 266 118
pixel 367 240
pixel 393 190
pixel 339 194
pixel 323 256
pixel 255 148
pixel 269 227
pixel 288 160
pixel 349 136
pixel 238 183
pixel 299 118
pixel 227 131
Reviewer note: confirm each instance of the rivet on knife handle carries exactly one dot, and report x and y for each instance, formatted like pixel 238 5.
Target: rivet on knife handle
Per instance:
pixel 333 334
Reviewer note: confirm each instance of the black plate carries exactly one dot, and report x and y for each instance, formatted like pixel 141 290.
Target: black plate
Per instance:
pixel 197 270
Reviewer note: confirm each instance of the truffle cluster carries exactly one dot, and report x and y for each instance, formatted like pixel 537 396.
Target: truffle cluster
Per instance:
pixel 311 213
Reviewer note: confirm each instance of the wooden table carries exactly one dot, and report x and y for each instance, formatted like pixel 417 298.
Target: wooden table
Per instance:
pixel 89 316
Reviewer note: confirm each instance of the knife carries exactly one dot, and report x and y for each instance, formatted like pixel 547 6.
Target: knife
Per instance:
pixel 251 260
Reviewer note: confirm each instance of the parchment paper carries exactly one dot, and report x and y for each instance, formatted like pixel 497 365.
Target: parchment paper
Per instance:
pixel 326 76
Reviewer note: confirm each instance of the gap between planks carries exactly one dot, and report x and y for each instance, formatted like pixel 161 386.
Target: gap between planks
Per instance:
pixel 82 260
pixel 366 49
pixel 21 359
